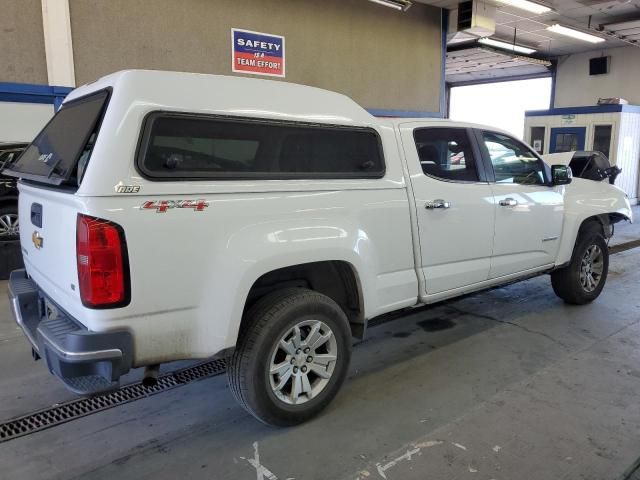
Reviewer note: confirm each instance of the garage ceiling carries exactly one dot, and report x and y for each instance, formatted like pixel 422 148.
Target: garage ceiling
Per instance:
pixel 616 19
pixel 483 64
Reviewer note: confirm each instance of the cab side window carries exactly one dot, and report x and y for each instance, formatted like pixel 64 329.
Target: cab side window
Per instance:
pixel 512 161
pixel 446 153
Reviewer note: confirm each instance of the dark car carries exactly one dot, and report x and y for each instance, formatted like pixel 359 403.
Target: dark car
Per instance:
pixel 9 225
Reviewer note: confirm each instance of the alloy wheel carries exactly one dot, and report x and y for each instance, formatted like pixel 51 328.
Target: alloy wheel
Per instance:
pixel 9 226
pixel 591 268
pixel 303 362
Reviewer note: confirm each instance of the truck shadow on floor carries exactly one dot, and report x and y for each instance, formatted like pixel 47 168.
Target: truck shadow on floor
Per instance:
pixel 410 376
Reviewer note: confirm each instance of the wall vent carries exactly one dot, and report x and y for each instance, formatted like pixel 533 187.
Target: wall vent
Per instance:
pixel 599 65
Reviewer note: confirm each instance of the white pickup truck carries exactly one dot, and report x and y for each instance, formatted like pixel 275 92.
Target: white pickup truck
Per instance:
pixel 170 216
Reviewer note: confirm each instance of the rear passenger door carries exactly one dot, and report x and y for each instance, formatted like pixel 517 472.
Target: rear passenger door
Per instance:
pixel 454 205
pixel 529 212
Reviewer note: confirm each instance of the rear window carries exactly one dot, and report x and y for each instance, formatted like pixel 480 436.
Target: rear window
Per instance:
pixel 60 152
pixel 183 146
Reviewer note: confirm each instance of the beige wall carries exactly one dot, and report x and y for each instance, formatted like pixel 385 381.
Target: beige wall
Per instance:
pixel 575 87
pixel 22 57
pixel 381 58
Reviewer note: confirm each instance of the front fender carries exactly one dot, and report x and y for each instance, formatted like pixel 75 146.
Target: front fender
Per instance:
pixel 585 199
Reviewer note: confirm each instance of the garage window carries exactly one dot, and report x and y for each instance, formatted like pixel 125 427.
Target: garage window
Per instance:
pixel 185 146
pixel 566 142
pixel 602 139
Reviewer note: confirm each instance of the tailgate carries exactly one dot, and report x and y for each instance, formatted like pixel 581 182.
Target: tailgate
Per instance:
pixel 48 241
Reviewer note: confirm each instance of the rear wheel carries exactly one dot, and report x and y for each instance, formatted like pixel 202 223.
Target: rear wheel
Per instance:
pixel 583 279
pixel 292 356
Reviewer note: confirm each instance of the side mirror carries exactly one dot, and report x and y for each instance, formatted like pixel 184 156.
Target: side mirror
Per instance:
pixel 561 175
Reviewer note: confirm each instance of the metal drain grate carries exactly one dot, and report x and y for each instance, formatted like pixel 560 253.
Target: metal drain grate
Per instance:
pixel 65 412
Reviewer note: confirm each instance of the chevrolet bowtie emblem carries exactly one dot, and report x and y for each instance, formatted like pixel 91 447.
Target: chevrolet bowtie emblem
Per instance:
pixel 37 240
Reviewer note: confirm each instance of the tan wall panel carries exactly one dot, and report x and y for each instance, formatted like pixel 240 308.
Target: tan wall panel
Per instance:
pixel 380 57
pixel 575 87
pixel 22 57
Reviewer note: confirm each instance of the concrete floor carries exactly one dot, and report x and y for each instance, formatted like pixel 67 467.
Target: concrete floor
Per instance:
pixel 505 384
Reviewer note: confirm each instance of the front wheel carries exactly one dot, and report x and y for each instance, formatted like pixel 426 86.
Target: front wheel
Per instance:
pixel 583 279
pixel 292 356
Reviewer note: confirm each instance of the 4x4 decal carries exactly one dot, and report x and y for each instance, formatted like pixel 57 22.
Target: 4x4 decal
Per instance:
pixel 161 206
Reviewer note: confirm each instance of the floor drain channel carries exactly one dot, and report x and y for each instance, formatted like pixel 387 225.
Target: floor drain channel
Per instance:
pixel 65 412
pixel 621 247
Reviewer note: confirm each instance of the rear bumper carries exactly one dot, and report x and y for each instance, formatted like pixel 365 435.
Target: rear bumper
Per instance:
pixel 86 362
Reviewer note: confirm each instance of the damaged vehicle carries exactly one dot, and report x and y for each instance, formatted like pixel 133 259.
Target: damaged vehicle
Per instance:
pixel 592 165
pixel 170 216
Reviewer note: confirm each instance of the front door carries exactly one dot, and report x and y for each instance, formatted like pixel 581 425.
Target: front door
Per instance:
pixel 454 205
pixel 567 139
pixel 529 212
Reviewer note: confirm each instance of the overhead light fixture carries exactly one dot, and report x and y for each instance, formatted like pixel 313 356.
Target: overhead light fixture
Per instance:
pixel 573 33
pixel 506 46
pixel 402 5
pixel 527 5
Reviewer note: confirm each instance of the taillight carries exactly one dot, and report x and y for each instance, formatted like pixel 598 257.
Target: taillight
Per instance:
pixel 103 270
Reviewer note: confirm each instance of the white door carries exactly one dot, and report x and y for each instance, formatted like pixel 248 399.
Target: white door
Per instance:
pixel 454 206
pixel 529 212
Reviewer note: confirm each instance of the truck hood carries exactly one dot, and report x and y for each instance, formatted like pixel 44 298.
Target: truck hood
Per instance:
pixel 563 158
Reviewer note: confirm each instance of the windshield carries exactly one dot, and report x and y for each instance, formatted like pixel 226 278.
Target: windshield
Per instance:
pixel 54 154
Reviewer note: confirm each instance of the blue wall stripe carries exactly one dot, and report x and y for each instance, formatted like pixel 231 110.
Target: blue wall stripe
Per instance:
pixel 583 110
pixel 32 93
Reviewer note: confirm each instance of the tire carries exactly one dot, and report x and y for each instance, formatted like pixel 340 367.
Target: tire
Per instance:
pixel 570 283
pixel 9 225
pixel 258 350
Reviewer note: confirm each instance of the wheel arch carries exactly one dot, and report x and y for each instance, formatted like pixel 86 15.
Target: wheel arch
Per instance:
pixel 337 279
pixel 8 200
pixel 572 231
pixel 589 201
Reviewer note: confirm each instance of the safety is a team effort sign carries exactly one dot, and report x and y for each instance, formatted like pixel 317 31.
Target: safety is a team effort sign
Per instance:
pixel 257 53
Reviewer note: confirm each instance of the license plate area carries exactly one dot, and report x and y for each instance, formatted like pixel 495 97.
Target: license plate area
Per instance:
pixel 51 312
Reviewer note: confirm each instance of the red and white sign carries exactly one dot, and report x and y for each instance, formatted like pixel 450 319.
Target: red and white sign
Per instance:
pixel 257 53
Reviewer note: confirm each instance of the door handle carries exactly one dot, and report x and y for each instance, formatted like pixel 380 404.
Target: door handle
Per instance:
pixel 439 203
pixel 508 202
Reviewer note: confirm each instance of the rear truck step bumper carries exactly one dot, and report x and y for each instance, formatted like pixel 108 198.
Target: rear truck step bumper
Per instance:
pixel 86 362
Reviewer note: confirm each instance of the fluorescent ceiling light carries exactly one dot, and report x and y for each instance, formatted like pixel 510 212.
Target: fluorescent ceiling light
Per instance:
pixel 571 32
pixel 402 5
pixel 527 5
pixel 506 46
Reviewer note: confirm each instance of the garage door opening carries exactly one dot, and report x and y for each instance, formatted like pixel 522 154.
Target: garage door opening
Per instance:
pixel 502 104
